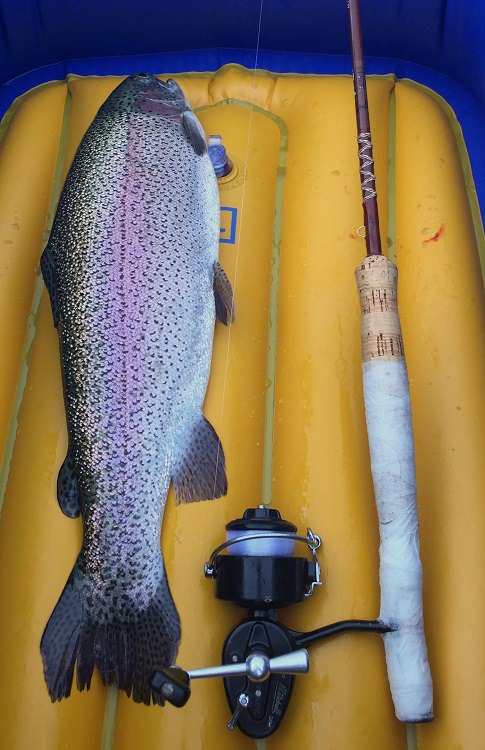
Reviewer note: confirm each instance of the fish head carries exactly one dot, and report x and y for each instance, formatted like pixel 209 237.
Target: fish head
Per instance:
pixel 144 92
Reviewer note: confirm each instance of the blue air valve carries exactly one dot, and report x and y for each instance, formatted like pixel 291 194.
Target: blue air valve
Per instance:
pixel 256 567
pixel 218 156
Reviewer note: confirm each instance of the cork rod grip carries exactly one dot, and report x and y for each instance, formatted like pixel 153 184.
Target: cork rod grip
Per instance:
pixel 376 280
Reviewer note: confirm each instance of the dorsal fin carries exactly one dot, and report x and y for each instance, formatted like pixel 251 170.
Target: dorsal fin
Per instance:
pixel 223 294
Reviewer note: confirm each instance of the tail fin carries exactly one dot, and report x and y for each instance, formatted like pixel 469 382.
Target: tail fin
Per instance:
pixel 126 651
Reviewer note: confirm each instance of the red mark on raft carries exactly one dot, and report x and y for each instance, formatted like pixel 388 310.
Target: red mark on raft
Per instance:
pixel 435 236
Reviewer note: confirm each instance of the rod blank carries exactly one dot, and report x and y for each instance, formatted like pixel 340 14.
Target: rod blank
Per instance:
pixel 366 158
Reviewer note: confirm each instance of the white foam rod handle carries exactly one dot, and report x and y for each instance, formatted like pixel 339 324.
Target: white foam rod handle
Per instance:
pixel 389 428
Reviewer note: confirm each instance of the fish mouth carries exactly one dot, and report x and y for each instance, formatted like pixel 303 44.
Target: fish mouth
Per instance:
pixel 168 89
pixel 157 97
pixel 148 78
pixel 144 78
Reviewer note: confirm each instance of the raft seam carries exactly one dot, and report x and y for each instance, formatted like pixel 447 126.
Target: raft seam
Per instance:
pixel 109 720
pixel 271 362
pixel 25 356
pixel 11 111
pixel 411 737
pixel 269 409
pixel 470 187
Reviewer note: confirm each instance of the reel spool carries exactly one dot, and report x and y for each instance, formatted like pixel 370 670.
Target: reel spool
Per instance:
pixel 259 570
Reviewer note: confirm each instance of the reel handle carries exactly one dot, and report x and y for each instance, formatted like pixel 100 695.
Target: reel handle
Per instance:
pixel 258 667
pixel 173 683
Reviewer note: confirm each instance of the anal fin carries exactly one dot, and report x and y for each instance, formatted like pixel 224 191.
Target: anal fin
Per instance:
pixel 200 472
pixel 68 488
pixel 223 295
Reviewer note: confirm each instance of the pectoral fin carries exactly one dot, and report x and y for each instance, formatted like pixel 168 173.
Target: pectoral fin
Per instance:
pixel 68 488
pixel 200 472
pixel 47 266
pixel 194 132
pixel 224 296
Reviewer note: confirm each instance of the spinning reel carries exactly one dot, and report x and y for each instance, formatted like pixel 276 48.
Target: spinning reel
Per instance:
pixel 261 657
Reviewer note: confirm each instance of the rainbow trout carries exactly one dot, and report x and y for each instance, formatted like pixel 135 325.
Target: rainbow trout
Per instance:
pixel 132 273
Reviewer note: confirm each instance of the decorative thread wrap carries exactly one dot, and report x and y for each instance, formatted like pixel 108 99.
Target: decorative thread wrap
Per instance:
pixel 389 428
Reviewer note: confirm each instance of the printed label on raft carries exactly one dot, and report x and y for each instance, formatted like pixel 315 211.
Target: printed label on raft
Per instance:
pixel 228 225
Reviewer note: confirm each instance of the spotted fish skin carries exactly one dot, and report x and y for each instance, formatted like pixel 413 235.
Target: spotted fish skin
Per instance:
pixel 131 268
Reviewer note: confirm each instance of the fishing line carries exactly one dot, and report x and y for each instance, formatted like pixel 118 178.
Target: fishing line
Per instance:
pixel 238 235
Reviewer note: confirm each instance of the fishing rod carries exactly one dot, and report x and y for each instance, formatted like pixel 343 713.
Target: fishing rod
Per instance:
pixel 390 435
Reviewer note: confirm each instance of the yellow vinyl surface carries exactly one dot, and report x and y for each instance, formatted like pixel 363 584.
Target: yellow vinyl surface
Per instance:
pixel 285 396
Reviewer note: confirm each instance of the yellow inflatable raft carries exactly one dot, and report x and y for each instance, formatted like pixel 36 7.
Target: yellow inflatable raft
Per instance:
pixel 285 396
